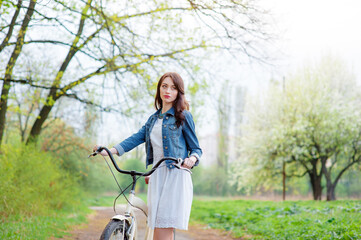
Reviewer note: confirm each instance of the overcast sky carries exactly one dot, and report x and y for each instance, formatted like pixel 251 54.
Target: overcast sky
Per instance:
pixel 313 28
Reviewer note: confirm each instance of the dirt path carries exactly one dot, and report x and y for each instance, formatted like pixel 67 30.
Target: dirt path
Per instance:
pixel 99 219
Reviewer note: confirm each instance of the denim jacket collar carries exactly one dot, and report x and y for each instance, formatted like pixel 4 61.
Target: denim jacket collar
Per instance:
pixel 171 111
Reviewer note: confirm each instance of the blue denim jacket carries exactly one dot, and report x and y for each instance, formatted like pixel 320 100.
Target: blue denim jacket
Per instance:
pixel 179 142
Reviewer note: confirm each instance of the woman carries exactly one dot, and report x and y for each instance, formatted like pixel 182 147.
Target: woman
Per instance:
pixel 169 132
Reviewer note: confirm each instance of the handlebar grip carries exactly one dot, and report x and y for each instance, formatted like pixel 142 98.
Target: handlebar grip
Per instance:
pixel 92 154
pixel 99 149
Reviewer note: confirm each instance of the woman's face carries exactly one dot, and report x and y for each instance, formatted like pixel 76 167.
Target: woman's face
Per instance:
pixel 168 91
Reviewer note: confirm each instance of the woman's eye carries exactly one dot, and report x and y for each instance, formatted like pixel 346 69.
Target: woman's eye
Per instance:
pixel 174 88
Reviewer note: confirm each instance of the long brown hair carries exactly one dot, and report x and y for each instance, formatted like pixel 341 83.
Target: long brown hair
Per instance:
pixel 180 103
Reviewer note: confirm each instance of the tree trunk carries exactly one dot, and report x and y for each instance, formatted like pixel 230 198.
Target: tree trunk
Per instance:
pixel 331 186
pixel 3 107
pixel 331 192
pixel 37 126
pixel 284 181
pixel 10 67
pixel 53 96
pixel 316 186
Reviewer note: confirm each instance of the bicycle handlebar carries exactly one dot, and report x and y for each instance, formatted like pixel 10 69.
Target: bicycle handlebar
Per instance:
pixel 135 173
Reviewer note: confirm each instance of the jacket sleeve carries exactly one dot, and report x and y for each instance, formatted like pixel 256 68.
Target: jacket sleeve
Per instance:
pixel 190 137
pixel 131 142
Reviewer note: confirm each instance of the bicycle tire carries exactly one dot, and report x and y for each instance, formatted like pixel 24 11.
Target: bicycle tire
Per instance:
pixel 114 230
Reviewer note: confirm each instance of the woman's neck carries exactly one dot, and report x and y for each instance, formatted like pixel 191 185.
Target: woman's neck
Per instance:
pixel 166 107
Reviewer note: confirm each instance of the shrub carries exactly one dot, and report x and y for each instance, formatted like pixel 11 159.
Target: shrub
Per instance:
pixel 33 182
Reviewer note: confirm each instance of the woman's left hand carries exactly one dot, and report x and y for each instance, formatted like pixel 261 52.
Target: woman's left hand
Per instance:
pixel 146 179
pixel 189 162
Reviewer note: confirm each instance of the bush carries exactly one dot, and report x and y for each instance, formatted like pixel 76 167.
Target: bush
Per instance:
pixel 136 165
pixel 72 150
pixel 212 181
pixel 92 174
pixel 33 182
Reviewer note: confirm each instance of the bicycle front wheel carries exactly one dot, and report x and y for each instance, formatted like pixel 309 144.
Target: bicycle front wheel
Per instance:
pixel 115 230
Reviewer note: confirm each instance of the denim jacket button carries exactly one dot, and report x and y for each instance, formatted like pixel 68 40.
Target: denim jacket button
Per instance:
pixel 165 136
pixel 165 125
pixel 166 118
pixel 166 147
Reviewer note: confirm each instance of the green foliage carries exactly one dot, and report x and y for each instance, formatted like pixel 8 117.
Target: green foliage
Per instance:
pixel 42 193
pixel 91 174
pixel 125 180
pixel 33 182
pixel 61 140
pixel 282 220
pixel 349 185
pixel 212 181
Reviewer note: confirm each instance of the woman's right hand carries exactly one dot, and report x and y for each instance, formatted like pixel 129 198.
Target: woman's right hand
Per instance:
pixel 103 153
pixel 95 147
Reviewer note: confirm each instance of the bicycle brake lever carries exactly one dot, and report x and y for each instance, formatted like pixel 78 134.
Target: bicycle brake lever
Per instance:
pixel 179 165
pixel 93 154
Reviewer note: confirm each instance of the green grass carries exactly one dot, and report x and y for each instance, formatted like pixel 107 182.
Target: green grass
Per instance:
pixel 281 220
pixel 54 224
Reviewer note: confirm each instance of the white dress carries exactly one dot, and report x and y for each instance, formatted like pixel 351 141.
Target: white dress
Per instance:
pixel 170 191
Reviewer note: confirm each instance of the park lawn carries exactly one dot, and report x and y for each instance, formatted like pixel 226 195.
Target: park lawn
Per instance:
pixel 254 219
pixel 54 224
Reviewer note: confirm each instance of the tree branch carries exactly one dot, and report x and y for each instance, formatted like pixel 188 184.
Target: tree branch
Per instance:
pixel 55 42
pixel 28 82
pixel 73 48
pixel 88 102
pixel 11 26
pixel 344 170
pixel 109 67
pixel 296 175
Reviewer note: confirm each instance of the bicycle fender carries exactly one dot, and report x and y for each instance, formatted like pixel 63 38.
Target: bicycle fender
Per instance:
pixel 133 225
pixel 120 218
pixel 140 204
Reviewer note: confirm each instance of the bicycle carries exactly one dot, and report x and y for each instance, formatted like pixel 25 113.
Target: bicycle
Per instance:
pixel 124 226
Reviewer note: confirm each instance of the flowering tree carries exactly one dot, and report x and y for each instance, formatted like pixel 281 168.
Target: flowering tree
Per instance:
pixel 312 124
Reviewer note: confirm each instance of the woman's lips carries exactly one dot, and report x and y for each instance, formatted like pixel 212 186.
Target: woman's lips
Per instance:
pixel 166 96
